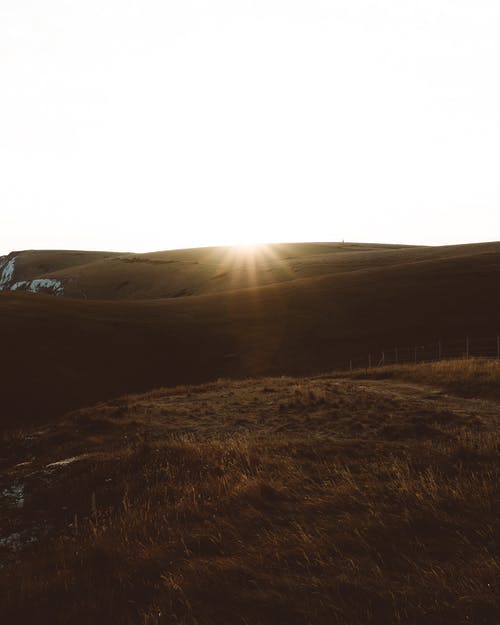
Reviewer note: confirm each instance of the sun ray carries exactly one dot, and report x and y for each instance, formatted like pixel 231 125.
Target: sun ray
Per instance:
pixel 248 265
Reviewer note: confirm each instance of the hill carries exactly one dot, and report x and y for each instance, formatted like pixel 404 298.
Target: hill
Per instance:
pixel 202 271
pixel 60 353
pixel 112 276
pixel 276 501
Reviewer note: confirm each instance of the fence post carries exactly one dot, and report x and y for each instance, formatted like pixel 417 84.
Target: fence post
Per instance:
pixel 440 350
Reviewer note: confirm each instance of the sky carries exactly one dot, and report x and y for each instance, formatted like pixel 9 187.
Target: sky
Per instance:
pixel 140 125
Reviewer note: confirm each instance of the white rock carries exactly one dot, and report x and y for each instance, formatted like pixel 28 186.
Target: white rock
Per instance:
pixel 19 285
pixel 46 283
pixel 39 284
pixel 7 274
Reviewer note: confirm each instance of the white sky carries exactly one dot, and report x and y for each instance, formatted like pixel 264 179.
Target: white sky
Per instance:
pixel 150 124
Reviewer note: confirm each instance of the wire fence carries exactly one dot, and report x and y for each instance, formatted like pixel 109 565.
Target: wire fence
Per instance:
pixel 442 349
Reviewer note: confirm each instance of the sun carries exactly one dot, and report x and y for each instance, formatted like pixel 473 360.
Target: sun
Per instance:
pixel 249 248
pixel 247 264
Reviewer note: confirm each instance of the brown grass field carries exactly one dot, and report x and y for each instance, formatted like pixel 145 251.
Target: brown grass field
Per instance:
pixel 173 452
pixel 267 501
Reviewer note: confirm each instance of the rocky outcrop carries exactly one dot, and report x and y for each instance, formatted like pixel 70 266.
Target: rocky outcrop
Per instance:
pixel 8 281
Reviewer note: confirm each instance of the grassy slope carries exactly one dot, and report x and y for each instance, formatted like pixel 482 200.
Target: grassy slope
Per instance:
pixel 90 275
pixel 60 353
pixel 105 276
pixel 272 502
pixel 466 378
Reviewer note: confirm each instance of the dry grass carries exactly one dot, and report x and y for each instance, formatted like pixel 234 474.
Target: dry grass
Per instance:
pixel 296 517
pixel 239 532
pixel 475 377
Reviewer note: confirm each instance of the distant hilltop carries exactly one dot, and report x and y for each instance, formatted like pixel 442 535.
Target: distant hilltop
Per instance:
pixel 179 273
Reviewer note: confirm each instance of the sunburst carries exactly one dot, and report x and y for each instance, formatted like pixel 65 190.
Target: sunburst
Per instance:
pixel 247 264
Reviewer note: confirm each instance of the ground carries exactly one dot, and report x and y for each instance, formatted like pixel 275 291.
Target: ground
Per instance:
pixel 281 500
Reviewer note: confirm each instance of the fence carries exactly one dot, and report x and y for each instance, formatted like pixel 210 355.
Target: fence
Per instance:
pixel 468 347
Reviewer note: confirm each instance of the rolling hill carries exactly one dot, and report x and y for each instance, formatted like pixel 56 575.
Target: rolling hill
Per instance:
pixel 114 276
pixel 191 316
